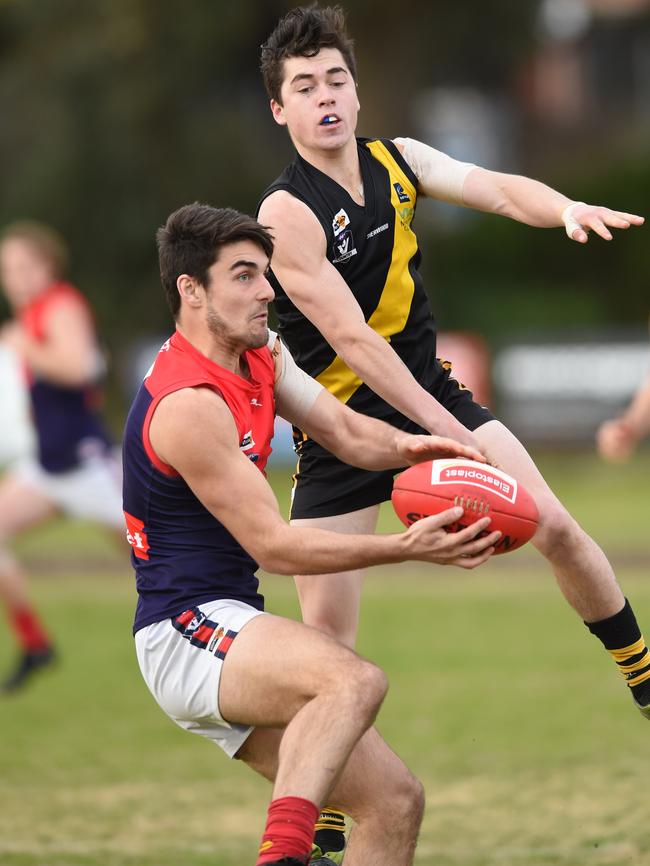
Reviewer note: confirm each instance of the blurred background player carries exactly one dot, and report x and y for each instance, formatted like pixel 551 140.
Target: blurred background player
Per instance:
pixel 618 438
pixel 16 432
pixel 73 470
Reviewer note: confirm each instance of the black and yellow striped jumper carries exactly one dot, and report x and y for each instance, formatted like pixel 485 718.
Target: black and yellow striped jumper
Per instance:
pixel 375 249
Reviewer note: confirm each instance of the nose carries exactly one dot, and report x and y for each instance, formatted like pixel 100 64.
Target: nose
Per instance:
pixel 325 95
pixel 266 291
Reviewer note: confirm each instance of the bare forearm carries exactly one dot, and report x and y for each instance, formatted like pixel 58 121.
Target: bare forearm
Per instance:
pixel 520 198
pixel 364 442
pixel 304 550
pixel 376 364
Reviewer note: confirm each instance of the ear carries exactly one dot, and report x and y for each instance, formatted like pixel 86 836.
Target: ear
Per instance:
pixel 278 113
pixel 190 290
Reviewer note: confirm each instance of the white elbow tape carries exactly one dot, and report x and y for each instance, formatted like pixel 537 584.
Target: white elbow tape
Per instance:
pixel 440 175
pixel 295 391
pixel 570 222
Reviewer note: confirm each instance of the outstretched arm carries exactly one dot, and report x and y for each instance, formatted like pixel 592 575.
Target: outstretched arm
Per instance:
pixel 536 204
pixel 520 198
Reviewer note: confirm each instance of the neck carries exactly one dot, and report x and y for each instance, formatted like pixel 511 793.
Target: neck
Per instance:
pixel 342 165
pixel 221 352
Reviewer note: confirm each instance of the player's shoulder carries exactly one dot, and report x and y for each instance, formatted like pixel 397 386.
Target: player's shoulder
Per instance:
pixel 385 150
pixel 390 153
pixel 63 306
pixel 283 211
pixel 288 180
pixel 62 295
pixel 201 402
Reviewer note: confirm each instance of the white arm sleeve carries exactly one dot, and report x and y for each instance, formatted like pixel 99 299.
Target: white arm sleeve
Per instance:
pixel 440 176
pixel 295 391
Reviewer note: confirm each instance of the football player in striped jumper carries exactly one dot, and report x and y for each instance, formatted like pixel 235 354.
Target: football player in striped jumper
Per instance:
pixel 354 313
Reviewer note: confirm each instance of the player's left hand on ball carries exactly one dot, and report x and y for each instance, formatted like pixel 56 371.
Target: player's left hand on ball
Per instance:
pixel 417 449
pixel 467 548
pixel 581 218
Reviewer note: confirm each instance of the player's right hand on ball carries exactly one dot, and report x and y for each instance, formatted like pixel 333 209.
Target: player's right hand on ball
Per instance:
pixel 428 540
pixel 418 448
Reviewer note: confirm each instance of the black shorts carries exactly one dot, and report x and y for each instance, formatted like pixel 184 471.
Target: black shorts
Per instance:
pixel 324 486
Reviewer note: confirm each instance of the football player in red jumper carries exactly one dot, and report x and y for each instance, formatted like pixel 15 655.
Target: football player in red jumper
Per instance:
pixel 291 701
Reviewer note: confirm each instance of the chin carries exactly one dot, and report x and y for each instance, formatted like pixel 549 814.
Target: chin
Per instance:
pixel 259 338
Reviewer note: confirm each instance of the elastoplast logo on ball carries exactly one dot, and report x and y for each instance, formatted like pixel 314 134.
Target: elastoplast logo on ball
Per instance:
pixel 477 476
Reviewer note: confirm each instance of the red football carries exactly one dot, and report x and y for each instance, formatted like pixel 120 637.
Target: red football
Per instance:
pixel 481 490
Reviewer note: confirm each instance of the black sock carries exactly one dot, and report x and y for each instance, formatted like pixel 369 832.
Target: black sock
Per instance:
pixel 330 831
pixel 621 636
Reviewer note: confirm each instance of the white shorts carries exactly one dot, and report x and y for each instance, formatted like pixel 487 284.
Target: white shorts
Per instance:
pixel 181 661
pixel 91 491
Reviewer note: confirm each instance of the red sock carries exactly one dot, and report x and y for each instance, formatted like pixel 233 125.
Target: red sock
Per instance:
pixel 289 830
pixel 28 630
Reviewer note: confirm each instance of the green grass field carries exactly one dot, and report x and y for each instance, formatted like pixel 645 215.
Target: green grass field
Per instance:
pixel 530 750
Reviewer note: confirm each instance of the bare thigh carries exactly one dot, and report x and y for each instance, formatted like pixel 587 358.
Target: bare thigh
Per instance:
pixel 275 666
pixel 503 447
pixel 584 575
pixel 331 603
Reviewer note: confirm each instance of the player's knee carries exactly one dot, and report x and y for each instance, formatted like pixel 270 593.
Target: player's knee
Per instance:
pixel 333 623
pixel 402 797
pixel 367 686
pixel 557 530
pixel 407 801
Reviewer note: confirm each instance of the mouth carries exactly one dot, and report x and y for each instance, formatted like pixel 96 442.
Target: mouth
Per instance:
pixel 330 120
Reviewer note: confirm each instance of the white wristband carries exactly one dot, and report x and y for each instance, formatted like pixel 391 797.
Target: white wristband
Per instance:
pixel 570 223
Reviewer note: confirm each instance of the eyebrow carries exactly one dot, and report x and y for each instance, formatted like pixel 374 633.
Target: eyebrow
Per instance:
pixel 243 263
pixel 303 75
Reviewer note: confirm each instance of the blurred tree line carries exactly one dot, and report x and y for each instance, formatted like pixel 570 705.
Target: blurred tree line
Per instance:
pixel 116 112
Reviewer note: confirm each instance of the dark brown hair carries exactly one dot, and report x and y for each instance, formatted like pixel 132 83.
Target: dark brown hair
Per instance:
pixel 302 33
pixel 44 240
pixel 190 241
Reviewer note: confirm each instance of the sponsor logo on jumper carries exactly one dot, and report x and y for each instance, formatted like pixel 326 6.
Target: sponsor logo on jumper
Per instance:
pixel 376 231
pixel 136 536
pixel 256 402
pixel 247 441
pixel 401 195
pixel 341 221
pixel 344 247
pixel 406 216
